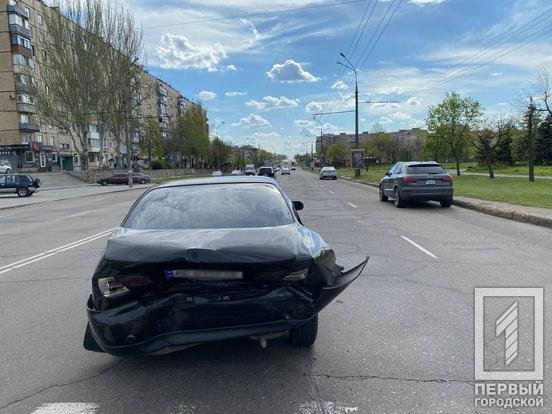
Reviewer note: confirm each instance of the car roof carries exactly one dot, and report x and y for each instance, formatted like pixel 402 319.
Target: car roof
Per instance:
pixel 220 180
pixel 408 163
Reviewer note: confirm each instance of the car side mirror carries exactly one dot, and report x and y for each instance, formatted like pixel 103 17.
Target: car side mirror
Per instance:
pixel 298 205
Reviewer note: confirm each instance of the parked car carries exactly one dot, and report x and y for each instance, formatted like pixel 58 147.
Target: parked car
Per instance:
pixel 266 171
pixel 286 170
pixel 20 184
pixel 217 173
pixel 328 172
pixel 236 172
pixel 5 167
pixel 206 260
pixel 249 169
pixel 420 181
pixel 121 178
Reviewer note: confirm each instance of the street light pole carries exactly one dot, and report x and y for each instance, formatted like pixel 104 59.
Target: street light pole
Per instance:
pixel 218 149
pixel 321 139
pixel 355 70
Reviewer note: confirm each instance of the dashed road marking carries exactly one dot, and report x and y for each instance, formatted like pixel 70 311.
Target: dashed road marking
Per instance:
pixel 331 192
pixel 352 205
pixel 67 408
pixel 419 247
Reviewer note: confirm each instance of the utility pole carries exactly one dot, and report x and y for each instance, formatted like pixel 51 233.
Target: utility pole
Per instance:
pixel 321 138
pixel 355 71
pixel 530 141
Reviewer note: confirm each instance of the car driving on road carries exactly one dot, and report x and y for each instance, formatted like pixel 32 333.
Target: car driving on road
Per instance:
pixel 122 178
pixel 416 181
pixel 20 184
pixel 204 260
pixel 266 171
pixel 5 167
pixel 286 170
pixel 328 172
pixel 249 169
pixel 217 173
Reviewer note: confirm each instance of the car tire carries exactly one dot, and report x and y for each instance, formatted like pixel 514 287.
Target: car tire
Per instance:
pixel 304 335
pixel 335 178
pixel 22 191
pixel 8 170
pixel 382 196
pixel 103 182
pixel 446 203
pixel 142 181
pixel 397 200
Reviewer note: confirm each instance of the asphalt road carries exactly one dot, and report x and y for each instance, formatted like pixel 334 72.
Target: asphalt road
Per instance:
pixel 400 339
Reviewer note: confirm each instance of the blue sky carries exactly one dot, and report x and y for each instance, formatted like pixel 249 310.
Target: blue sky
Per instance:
pixel 264 71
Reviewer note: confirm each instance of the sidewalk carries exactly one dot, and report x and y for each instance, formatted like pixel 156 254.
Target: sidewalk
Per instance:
pixel 532 215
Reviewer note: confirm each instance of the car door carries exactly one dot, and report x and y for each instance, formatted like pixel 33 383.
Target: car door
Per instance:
pixel 3 184
pixel 387 181
pixel 396 177
pixel 11 183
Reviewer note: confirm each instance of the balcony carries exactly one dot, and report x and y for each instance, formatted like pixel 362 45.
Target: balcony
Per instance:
pixel 162 91
pixel 26 107
pixel 23 87
pixel 29 126
pixel 22 50
pixel 20 30
pixel 18 10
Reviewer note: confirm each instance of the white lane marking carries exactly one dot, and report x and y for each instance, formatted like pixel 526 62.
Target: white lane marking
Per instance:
pixel 81 240
pixel 419 247
pixel 331 192
pixel 49 253
pixel 84 213
pixel 352 205
pixel 67 408
pixel 23 260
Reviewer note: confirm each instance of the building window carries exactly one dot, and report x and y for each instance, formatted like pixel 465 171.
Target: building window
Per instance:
pixel 38 137
pixel 43 55
pixel 20 40
pixel 50 140
pixel 25 138
pixel 55 157
pixel 46 89
pixel 39 19
pixel 24 118
pixel 42 37
pixel 29 156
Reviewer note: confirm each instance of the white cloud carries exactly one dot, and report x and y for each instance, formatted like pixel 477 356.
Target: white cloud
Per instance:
pixel 424 2
pixel 271 102
pixel 206 95
pixel 314 107
pixel 495 74
pixel 177 52
pixel 339 85
pixel 253 120
pixel 413 101
pixel 231 67
pixel 235 93
pixel 290 71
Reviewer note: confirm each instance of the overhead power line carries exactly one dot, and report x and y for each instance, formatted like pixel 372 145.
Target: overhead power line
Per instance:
pixel 258 14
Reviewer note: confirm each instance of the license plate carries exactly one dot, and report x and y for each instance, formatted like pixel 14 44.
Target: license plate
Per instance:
pixel 430 181
pixel 201 274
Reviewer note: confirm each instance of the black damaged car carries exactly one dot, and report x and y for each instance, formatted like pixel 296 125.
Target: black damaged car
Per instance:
pixel 211 259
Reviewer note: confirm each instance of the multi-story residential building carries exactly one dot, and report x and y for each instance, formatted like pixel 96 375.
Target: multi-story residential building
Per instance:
pixel 29 142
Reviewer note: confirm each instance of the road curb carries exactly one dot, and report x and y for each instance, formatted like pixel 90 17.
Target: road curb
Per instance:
pixel 491 210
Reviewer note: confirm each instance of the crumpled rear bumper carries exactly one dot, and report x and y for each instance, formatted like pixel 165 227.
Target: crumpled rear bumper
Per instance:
pixel 167 323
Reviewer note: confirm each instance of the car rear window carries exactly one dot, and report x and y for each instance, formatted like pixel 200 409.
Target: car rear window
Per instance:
pixel 425 169
pixel 213 206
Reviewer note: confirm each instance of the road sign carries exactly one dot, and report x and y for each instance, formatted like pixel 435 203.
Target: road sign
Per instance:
pixel 357 158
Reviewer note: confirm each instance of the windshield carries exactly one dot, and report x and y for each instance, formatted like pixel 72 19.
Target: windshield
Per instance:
pixel 214 206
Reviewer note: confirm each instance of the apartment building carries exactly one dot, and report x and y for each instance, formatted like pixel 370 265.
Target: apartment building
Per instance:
pixel 30 143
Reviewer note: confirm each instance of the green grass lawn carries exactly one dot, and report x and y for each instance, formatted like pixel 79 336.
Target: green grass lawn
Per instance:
pixel 507 190
pixel 543 170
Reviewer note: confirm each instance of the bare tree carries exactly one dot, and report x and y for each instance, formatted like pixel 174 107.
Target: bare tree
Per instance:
pixel 543 88
pixel 74 49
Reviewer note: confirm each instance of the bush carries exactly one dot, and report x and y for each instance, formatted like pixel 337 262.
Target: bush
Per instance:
pixel 160 165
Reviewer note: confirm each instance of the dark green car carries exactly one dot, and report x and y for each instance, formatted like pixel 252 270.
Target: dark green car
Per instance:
pixel 20 184
pixel 416 181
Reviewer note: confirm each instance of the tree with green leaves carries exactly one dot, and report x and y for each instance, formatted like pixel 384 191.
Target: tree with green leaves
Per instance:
pixel 503 150
pixel 221 152
pixel 543 144
pixel 151 143
pixel 452 121
pixel 190 137
pixel 336 154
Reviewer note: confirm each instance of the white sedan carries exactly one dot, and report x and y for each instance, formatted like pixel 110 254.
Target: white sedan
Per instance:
pixel 286 170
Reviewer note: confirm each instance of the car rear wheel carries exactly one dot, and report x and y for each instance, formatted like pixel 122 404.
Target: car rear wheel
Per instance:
pixel 397 200
pixel 104 182
pixel 22 191
pixel 382 196
pixel 304 335
pixel 8 170
pixel 446 203
pixel 142 181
